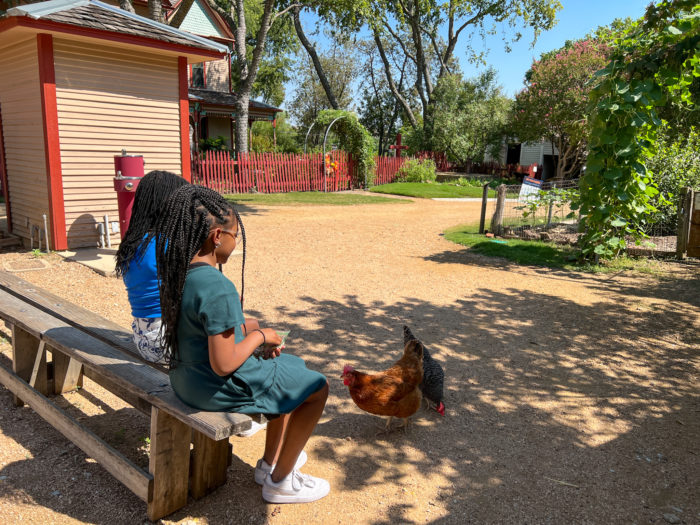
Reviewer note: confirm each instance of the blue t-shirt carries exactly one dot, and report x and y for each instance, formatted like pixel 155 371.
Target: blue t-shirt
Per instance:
pixel 141 280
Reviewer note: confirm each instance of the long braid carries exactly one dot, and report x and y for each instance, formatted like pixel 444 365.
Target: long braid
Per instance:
pixel 152 192
pixel 188 217
pixel 242 230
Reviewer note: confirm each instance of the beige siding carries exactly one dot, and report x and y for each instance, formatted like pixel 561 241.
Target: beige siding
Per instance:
pixel 20 103
pixel 217 75
pixel 109 100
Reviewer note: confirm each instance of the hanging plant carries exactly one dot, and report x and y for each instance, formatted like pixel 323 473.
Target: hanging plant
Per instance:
pixel 355 139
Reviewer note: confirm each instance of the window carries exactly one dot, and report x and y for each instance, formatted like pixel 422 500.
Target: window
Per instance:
pixel 197 80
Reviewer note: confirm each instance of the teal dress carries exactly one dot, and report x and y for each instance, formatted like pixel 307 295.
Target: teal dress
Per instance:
pixel 210 306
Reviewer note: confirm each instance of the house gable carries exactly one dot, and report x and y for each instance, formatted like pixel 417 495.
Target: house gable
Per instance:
pixel 201 20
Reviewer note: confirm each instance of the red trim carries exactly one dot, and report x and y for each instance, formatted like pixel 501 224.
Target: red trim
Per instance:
pixel 47 88
pixel 3 179
pixel 184 118
pixel 47 25
pixel 204 74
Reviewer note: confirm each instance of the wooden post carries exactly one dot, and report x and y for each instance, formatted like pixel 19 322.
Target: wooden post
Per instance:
pixel 68 373
pixel 169 464
pixel 484 201
pixel 685 203
pixel 29 361
pixel 497 220
pixel 210 460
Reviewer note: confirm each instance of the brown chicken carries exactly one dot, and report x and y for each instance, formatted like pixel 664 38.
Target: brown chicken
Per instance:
pixel 394 392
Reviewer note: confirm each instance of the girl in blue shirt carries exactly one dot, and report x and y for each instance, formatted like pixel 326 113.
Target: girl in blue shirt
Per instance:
pixel 211 353
pixel 136 261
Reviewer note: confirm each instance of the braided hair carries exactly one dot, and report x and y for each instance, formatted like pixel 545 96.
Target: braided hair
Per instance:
pixel 151 193
pixel 183 227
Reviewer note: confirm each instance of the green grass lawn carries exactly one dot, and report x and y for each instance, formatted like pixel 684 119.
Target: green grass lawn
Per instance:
pixel 539 253
pixel 432 190
pixel 303 198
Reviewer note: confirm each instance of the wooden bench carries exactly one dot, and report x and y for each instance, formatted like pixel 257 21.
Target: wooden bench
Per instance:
pixel 55 343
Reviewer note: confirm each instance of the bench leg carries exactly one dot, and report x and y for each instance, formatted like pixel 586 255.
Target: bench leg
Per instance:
pixel 29 361
pixel 67 373
pixel 169 464
pixel 210 460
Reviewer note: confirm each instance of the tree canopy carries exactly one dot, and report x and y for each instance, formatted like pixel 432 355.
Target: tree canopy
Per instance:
pixel 554 104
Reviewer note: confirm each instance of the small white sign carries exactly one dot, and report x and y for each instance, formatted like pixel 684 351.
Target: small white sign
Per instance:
pixel 529 189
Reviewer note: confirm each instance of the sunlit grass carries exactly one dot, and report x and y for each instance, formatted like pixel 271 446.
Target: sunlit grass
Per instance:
pixel 310 198
pixel 432 190
pixel 540 253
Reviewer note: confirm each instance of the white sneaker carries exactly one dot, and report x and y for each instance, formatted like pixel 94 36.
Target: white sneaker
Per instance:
pixel 262 469
pixel 254 429
pixel 295 488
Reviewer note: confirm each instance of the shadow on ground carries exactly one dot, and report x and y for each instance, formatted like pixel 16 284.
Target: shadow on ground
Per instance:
pixel 556 412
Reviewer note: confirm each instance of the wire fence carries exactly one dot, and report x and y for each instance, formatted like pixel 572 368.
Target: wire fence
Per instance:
pixel 537 210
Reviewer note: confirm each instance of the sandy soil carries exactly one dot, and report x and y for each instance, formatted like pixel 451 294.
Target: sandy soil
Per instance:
pixel 571 398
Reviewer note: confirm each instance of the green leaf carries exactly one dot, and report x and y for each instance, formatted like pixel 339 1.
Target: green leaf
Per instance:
pixel 613 241
pixel 618 223
pixel 613 174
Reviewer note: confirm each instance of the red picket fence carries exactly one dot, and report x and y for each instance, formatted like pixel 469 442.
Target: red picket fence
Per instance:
pixel 439 157
pixel 386 169
pixel 273 172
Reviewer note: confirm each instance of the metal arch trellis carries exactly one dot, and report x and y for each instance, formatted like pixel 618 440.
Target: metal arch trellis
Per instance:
pixel 307 135
pixel 323 158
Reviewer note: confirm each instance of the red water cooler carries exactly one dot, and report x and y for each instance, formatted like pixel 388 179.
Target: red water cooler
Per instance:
pixel 129 171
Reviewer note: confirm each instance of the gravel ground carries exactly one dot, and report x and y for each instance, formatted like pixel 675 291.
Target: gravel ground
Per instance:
pixel 571 398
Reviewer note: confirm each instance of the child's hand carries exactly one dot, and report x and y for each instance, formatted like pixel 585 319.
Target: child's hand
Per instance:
pixel 272 338
pixel 270 352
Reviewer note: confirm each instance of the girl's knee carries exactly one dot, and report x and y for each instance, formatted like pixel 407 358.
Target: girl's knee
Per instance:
pixel 321 393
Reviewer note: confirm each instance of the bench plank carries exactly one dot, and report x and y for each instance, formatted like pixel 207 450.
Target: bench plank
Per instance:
pixel 123 370
pixel 70 313
pixel 83 319
pixel 138 481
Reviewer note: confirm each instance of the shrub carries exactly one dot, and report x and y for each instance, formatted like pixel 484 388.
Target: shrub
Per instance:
pixel 675 165
pixel 213 144
pixel 417 170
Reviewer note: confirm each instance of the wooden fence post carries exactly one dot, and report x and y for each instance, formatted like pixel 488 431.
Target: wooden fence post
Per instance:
pixel 497 220
pixel 484 200
pixel 685 203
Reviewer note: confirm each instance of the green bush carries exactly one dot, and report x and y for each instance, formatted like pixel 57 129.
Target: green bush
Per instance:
pixel 417 170
pixel 213 144
pixel 674 166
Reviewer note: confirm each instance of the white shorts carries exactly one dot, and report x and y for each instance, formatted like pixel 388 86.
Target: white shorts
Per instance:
pixel 147 338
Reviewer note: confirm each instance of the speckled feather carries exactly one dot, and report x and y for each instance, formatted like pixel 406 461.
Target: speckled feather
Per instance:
pixel 433 374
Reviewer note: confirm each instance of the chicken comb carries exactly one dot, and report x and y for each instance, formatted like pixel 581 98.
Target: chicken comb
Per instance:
pixel 347 369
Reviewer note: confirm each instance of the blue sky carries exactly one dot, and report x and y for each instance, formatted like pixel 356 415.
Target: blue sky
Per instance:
pixel 575 20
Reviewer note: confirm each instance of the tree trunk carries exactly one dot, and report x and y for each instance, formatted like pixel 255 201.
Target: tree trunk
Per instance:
pixel 314 58
pixel 155 10
pixel 242 102
pixel 126 6
pixel 390 80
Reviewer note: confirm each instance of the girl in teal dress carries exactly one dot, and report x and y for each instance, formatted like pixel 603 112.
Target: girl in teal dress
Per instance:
pixel 210 350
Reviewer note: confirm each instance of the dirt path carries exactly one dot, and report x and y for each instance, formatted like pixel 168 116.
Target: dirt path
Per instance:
pixel 570 398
